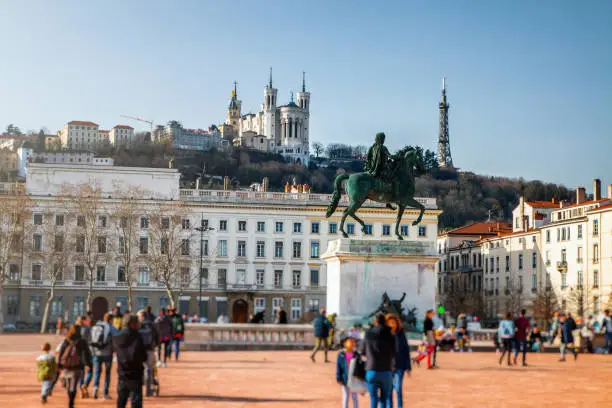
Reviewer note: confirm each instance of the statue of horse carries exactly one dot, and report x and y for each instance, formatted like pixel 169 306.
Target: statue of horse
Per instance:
pixel 363 186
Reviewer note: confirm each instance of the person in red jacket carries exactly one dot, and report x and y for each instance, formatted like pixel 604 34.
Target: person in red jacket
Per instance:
pixel 520 337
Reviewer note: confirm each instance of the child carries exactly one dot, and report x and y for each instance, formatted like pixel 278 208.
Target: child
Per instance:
pixel 342 371
pixel 46 369
pixel 421 353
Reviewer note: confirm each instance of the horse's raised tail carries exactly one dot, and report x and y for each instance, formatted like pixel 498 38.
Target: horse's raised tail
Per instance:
pixel 331 208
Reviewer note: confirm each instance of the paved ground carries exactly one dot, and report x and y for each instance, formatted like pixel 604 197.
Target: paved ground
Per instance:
pixel 289 379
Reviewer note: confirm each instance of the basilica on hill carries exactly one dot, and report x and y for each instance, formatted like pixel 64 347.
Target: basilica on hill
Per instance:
pixel 275 128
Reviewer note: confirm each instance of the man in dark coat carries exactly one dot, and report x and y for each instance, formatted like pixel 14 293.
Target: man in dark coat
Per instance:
pixel 131 357
pixel 163 326
pixel 321 332
pixel 567 337
pixel 282 316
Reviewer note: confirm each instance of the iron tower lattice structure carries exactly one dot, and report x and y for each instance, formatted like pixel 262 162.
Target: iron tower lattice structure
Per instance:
pixel 444 152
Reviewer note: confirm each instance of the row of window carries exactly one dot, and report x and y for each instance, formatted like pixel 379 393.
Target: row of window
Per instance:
pixel 102 222
pixel 143 275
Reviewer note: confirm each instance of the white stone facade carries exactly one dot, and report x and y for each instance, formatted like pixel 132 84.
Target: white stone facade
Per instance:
pixel 121 135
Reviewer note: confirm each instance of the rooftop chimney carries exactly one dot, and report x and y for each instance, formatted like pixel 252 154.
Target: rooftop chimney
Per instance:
pixel 226 183
pixel 521 214
pixel 265 184
pixel 580 195
pixel 597 189
pixel 610 191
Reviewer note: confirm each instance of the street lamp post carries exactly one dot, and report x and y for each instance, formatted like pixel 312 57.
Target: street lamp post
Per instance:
pixel 203 228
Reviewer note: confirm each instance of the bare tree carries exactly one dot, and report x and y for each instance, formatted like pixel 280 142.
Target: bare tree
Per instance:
pixel 544 304
pixel 318 149
pixel 15 212
pixel 461 296
pixel 514 295
pixel 91 228
pixel 580 299
pixel 167 247
pixel 128 219
pixel 56 254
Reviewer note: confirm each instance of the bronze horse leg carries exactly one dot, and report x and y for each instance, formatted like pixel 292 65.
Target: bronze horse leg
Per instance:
pixel 400 212
pixel 414 203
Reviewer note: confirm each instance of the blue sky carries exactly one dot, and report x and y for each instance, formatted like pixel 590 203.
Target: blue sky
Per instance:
pixel 528 82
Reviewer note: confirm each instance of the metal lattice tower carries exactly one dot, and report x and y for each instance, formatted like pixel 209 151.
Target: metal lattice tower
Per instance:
pixel 444 152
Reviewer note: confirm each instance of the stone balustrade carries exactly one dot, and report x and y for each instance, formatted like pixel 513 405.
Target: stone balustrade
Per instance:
pixel 235 336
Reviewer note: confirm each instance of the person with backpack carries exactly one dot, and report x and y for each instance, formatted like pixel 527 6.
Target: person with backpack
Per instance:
pixel 46 369
pixel 163 324
pixel 178 331
pixel 150 340
pixel 131 357
pixel 74 356
pixel 102 347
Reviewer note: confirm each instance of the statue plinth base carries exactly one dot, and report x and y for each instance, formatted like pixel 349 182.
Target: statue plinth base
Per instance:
pixel 360 271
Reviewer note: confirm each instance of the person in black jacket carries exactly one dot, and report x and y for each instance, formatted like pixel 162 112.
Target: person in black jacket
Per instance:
pixel 131 356
pixel 321 331
pixel 282 316
pixel 402 356
pixel 379 349
pixel 163 324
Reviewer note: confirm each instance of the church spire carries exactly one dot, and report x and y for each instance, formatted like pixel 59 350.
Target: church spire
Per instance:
pixel 292 97
pixel 235 93
pixel 270 83
pixel 303 81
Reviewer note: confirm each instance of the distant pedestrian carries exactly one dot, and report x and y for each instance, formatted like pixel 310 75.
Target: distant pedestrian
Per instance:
pixel 222 319
pixel 554 328
pixel 131 357
pixel 535 340
pixel 86 335
pixel 163 324
pixel 59 327
pixel 587 332
pixel 505 333
pixel 46 370
pixel 607 330
pixel 567 336
pixel 429 337
pixel 117 317
pixel 520 338
pixel 74 356
pixel 178 332
pixel 402 357
pixel 282 316
pixel 102 347
pixel 379 349
pixel 321 333
pixel 150 340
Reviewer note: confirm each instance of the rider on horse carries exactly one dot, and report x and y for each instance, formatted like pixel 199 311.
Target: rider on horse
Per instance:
pixel 381 164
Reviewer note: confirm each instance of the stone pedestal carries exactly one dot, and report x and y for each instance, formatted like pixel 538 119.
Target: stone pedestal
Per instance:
pixel 360 271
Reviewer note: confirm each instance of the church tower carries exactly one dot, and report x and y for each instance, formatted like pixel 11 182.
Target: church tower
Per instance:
pixel 444 152
pixel 269 110
pixel 303 101
pixel 233 111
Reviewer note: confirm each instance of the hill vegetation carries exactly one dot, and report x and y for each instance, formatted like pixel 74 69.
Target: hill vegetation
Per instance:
pixel 463 196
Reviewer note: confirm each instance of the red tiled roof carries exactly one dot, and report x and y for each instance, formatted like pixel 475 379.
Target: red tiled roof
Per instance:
pixel 81 122
pixel 5 136
pixel 606 207
pixel 103 131
pixel 542 204
pixel 586 203
pixel 123 127
pixel 510 233
pixel 480 228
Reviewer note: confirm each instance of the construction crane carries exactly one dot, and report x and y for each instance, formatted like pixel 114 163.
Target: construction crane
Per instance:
pixel 139 120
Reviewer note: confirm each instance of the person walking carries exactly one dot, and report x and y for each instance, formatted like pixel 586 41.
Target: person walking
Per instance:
pixel 343 365
pixel 587 332
pixel 520 337
pixel 606 327
pixel 402 357
pixel 379 349
pixel 102 347
pixel 178 331
pixel 429 335
pixel 506 332
pixel 46 369
pixel 163 326
pixel 131 357
pixel 74 356
pixel 567 336
pixel 86 335
pixel 150 340
pixel 554 328
pixel 321 332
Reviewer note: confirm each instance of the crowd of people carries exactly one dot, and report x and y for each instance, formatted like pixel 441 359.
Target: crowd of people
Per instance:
pixel 139 343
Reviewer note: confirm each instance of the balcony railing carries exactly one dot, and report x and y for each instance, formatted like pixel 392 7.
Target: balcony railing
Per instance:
pixel 579 260
pixel 562 266
pixel 100 283
pixel 79 283
pixel 35 282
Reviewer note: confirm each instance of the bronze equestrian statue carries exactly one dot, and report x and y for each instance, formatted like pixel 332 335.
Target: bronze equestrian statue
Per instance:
pixel 387 179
